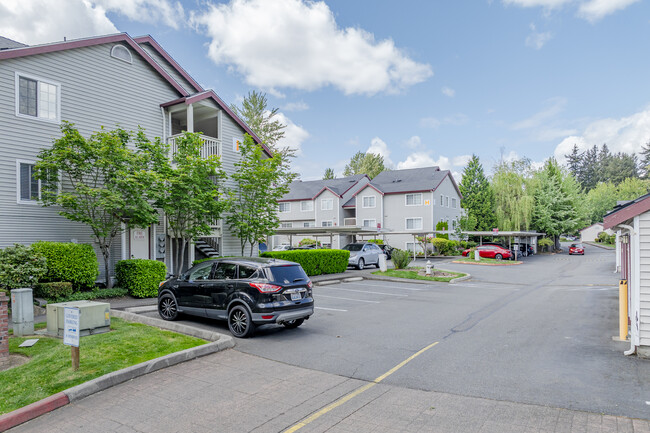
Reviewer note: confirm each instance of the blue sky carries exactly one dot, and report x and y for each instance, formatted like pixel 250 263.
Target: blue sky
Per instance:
pixel 421 82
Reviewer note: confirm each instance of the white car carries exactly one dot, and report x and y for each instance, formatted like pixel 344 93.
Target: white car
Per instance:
pixel 282 248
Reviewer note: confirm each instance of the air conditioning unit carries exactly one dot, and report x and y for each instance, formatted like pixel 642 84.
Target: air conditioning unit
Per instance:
pixel 94 317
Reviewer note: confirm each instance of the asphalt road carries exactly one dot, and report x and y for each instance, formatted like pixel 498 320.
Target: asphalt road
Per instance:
pixel 539 333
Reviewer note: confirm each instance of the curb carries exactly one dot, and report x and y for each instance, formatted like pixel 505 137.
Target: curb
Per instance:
pixel 594 244
pixel 218 343
pixel 401 280
pixel 459 279
pixel 487 264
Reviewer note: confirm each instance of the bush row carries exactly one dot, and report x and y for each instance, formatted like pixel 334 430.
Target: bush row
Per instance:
pixel 604 238
pixel 140 277
pixel 315 262
pixel 75 263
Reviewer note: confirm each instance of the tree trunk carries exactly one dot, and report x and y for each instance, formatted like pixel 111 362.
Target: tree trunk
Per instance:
pixel 106 253
pixel 181 259
pixel 252 244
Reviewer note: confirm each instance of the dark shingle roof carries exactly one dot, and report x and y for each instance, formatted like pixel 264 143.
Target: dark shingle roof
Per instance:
pixel 307 190
pixel 413 179
pixel 7 44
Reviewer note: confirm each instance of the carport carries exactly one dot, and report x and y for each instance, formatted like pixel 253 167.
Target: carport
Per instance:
pixel 326 232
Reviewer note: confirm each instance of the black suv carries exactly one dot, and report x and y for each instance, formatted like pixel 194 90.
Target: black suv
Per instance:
pixel 244 291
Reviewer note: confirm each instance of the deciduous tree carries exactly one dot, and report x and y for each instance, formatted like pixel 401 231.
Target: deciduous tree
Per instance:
pixel 365 163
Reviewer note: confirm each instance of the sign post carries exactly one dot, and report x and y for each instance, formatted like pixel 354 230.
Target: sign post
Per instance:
pixel 71 333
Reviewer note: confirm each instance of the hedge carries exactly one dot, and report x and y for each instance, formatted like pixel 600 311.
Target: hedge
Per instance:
pixel 53 290
pixel 66 261
pixel 140 277
pixel 315 262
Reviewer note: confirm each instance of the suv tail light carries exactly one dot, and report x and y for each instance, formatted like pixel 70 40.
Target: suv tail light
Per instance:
pixel 265 288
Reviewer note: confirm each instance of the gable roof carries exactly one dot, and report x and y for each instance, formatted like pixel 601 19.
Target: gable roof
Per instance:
pixel 412 180
pixel 24 50
pixel 309 190
pixel 626 210
pixel 6 43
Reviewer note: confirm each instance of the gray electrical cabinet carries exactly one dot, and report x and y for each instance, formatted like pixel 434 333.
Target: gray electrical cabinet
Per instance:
pixel 22 312
pixel 94 317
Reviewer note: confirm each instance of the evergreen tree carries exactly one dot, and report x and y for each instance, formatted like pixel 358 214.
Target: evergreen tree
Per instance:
pixel 620 166
pixel 329 174
pixel 645 160
pixel 478 199
pixel 589 175
pixel 574 161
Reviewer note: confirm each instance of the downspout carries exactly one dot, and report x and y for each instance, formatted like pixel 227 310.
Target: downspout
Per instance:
pixel 635 240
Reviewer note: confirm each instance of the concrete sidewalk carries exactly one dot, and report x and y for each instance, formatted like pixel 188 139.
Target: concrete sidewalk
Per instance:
pixel 235 392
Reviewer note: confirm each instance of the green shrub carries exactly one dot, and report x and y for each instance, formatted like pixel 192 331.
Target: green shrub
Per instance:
pixel 115 292
pixel 53 290
pixel 140 277
pixel 401 258
pixel 545 243
pixel 442 225
pixel 315 262
pixel 376 241
pixel 21 266
pixel 66 261
pixel 308 241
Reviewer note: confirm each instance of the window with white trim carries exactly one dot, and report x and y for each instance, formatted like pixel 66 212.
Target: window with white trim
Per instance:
pixel 326 224
pixel 453 203
pixel 309 224
pixel 369 201
pixel 413 223
pixel 284 207
pixel 121 52
pixel 414 199
pixel 370 223
pixel 442 200
pixel 447 201
pixel 326 204
pixel 286 225
pixel 29 188
pixel 306 206
pixel 37 98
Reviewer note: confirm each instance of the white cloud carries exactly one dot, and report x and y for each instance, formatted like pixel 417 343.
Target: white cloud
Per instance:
pixel 413 142
pixel 294 135
pixel 379 146
pixel 448 91
pixel 423 159
pixel 594 10
pixel 537 39
pixel 41 21
pixel 455 120
pixel 548 4
pixel 298 44
pixel 296 106
pixel 625 134
pixel 461 161
pixel 554 106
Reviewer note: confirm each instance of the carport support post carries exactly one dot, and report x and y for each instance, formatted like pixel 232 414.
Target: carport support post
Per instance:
pixel 414 246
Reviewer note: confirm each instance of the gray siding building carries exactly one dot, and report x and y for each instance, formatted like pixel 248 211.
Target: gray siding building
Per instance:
pixel 102 81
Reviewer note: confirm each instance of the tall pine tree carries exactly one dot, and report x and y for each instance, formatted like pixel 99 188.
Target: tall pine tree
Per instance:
pixel 478 198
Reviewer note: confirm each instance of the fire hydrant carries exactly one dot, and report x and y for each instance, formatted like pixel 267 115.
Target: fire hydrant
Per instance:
pixel 428 268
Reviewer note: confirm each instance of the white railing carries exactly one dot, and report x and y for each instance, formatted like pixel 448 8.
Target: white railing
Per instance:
pixel 211 146
pixel 349 222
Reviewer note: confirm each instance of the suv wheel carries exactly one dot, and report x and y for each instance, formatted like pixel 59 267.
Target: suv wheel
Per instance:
pixel 167 307
pixel 292 324
pixel 240 322
pixel 361 264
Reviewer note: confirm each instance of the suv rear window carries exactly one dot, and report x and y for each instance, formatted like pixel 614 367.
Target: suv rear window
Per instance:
pixel 287 274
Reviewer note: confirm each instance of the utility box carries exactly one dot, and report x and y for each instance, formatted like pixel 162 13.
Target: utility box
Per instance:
pixel 22 312
pixel 94 317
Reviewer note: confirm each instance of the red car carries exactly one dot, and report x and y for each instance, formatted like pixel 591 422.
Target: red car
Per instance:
pixel 576 249
pixel 491 252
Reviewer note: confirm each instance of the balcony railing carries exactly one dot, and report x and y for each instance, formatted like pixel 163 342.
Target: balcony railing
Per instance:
pixel 350 222
pixel 211 146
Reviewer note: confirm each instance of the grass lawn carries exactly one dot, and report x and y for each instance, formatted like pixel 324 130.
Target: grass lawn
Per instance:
pixel 486 260
pixel 50 369
pixel 413 274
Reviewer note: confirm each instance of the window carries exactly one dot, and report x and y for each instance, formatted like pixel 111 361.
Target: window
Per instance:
pixel 370 223
pixel 201 272
pixel 306 205
pixel 414 199
pixel 286 225
pixel 309 224
pixel 327 204
pixel 37 98
pixel 413 223
pixel 248 272
pixel 29 188
pixel 453 203
pixel 326 223
pixel 284 207
pixel 447 201
pixel 122 53
pixel 369 201
pixel 225 271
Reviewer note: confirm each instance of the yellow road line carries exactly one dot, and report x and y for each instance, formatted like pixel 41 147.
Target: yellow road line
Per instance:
pixel 356 392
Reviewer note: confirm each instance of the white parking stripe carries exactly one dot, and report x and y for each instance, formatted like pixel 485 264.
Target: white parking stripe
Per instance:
pixel 347 299
pixel 364 291
pixel 329 309
pixel 388 287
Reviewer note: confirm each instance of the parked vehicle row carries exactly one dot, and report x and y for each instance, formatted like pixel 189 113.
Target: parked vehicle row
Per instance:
pixel 491 251
pixel 246 292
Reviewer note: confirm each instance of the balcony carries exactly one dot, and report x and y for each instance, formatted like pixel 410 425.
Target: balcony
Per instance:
pixel 211 146
pixel 349 222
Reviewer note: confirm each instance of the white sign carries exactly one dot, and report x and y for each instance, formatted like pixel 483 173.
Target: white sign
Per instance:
pixel 236 143
pixel 71 326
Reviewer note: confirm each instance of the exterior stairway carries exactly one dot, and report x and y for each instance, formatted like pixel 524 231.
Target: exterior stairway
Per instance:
pixel 208 249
